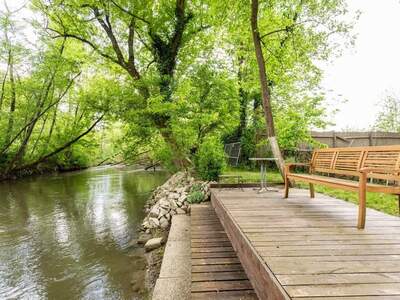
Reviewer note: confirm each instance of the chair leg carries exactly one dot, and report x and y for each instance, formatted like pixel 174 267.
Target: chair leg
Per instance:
pixel 362 197
pixel 312 191
pixel 286 187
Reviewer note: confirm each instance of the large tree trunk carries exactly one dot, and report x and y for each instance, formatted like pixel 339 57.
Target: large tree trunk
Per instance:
pixel 243 100
pixel 10 126
pixel 266 99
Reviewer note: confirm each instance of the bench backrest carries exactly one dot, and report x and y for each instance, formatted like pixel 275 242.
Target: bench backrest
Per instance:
pixel 348 161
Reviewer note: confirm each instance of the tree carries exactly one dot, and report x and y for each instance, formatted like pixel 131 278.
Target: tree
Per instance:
pixel 266 98
pixel 133 35
pixel 389 116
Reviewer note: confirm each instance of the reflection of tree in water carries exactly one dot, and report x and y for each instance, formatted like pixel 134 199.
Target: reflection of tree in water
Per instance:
pixel 68 251
pixel 141 186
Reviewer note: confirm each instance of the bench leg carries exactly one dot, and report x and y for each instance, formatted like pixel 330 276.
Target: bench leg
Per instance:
pixel 362 197
pixel 286 187
pixel 312 191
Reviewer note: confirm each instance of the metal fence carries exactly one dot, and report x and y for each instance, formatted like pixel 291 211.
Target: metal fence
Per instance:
pixel 232 151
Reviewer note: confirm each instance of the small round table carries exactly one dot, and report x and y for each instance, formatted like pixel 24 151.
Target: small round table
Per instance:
pixel 263 172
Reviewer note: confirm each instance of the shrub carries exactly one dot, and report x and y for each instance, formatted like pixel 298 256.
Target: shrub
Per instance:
pixel 196 187
pixel 210 159
pixel 195 197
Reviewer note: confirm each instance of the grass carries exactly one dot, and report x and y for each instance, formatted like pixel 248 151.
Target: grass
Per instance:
pixel 251 176
pixel 379 201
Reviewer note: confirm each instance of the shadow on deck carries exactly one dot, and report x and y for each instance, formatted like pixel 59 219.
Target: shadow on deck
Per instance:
pixel 302 248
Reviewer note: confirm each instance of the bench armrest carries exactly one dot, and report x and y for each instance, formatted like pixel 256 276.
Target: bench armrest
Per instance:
pixel 290 165
pixel 297 164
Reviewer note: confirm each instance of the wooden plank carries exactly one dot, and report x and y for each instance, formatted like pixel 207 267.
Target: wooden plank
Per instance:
pixel 214 254
pixel 391 297
pixel 217 276
pixel 215 261
pixel 329 290
pixel 212 286
pixel 212 249
pixel 339 278
pixel 315 258
pixel 225 295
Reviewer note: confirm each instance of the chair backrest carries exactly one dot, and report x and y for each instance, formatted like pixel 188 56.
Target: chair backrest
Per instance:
pixel 348 161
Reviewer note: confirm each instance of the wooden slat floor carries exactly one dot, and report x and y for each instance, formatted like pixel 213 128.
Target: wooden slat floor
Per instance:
pixel 311 247
pixel 216 270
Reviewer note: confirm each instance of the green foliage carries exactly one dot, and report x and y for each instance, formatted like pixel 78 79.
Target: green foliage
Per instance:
pixel 295 116
pixel 210 159
pixel 168 79
pixel 389 116
pixel 195 197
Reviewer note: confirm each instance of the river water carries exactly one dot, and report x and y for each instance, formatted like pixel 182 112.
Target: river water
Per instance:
pixel 68 236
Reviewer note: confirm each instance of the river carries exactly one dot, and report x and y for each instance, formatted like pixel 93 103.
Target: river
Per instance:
pixel 67 236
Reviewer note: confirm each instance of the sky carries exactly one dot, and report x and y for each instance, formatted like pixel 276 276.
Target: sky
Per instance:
pixel 364 74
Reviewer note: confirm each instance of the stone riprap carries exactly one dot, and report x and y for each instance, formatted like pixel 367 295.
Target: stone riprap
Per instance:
pixel 169 199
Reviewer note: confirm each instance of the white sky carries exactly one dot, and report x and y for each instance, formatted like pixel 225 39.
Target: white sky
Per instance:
pixel 369 71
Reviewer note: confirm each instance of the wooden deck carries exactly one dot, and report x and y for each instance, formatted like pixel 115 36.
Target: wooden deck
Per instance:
pixel 302 248
pixel 216 270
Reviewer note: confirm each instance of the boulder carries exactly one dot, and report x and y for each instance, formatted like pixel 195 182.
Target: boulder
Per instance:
pixel 164 203
pixel 180 211
pixel 153 244
pixel 155 211
pixel 182 198
pixel 143 238
pixel 173 196
pixel 154 223
pixel 164 223
pixel 162 212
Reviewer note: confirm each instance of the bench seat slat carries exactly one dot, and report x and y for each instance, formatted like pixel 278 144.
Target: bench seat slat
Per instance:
pixel 343 183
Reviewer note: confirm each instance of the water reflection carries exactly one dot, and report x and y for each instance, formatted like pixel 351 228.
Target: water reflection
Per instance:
pixel 67 236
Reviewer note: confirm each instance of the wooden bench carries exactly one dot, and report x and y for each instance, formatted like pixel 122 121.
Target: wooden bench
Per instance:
pixel 354 165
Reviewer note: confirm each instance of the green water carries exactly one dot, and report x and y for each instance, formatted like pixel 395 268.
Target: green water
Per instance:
pixel 67 236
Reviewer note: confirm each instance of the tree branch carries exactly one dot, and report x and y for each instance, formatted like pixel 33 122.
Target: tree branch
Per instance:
pixel 61 148
pixel 129 13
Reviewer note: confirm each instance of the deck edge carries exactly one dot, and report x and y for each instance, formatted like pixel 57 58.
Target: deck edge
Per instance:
pixel 261 277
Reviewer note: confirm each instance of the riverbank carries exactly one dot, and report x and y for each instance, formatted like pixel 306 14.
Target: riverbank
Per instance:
pixel 172 198
pixel 59 170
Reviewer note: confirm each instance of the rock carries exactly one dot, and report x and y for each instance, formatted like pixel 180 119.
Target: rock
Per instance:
pixel 164 203
pixel 173 196
pixel 162 212
pixel 181 199
pixel 155 211
pixel 145 224
pixel 153 222
pixel 180 211
pixel 153 244
pixel 143 238
pixel 172 205
pixel 180 190
pixel 164 223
